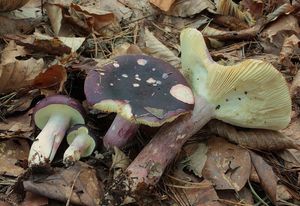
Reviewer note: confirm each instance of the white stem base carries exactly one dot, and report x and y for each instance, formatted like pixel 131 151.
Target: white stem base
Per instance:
pixel 76 149
pixel 47 142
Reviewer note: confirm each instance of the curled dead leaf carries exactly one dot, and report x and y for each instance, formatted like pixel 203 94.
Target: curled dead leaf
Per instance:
pixel 163 4
pixel 267 177
pixel 70 183
pixel 157 49
pixel 16 69
pixel 228 166
pixel 12 151
pixel 185 8
pixel 253 138
pixel 119 162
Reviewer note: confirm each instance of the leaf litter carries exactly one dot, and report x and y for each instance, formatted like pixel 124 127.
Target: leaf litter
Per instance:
pixel 49 49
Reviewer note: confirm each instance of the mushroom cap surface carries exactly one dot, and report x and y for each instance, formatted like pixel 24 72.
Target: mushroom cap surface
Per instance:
pixel 78 129
pixel 60 104
pixel 140 88
pixel 251 93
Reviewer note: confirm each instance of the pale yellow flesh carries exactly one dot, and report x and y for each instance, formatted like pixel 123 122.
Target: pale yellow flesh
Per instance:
pixel 249 94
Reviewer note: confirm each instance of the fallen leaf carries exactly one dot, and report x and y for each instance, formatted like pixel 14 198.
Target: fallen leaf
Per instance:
pixel 267 177
pixel 70 183
pixel 244 196
pixel 72 42
pixel 12 151
pixel 19 126
pixel 16 70
pixel 157 49
pixel 228 7
pixel 117 8
pixel 253 138
pixel 291 158
pixel 53 78
pixel 228 166
pixel 289 47
pixel 119 160
pixel 15 26
pixel 283 192
pixel 92 19
pixel 275 33
pixel 254 7
pixel 32 199
pixel 163 4
pixel 55 15
pixel 185 8
pixel 196 161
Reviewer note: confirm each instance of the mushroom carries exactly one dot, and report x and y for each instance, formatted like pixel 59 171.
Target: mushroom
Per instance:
pixel 141 90
pixel 249 94
pixel 53 115
pixel 82 143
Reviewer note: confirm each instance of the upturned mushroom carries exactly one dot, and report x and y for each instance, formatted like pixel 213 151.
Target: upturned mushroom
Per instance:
pixel 81 144
pixel 249 94
pixel 53 115
pixel 141 90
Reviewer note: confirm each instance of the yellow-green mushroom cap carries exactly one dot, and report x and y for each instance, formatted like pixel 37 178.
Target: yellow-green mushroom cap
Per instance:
pixel 250 94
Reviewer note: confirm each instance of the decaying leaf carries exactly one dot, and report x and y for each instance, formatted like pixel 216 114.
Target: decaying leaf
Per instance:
pixel 253 138
pixel 91 19
pixel 254 7
pixel 228 166
pixel 196 161
pixel 289 47
pixel 70 183
pixel 228 7
pixel 244 196
pixel 15 26
pixel 267 177
pixel 54 13
pixel 16 70
pixel 120 160
pixel 117 8
pixel 32 199
pixel 163 4
pixel 18 126
pixel 12 151
pixel 157 49
pixel 185 8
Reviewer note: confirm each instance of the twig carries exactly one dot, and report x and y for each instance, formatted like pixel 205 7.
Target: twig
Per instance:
pixel 71 192
pixel 256 195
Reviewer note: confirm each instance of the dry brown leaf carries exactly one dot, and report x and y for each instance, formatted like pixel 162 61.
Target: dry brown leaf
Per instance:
pixel 291 158
pixel 242 197
pixel 55 15
pixel 19 126
pixel 116 7
pixel 32 199
pixel 74 179
pixel 157 49
pixel 275 33
pixel 196 161
pixel 283 193
pixel 12 151
pixel 92 19
pixel 15 26
pixel 289 47
pixel 16 70
pixel 267 177
pixel 228 7
pixel 254 7
pixel 228 166
pixel 164 5
pixel 253 138
pixel 185 8
pixel 119 160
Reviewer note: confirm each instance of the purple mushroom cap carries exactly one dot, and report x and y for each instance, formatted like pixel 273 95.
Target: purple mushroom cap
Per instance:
pixel 140 88
pixel 60 104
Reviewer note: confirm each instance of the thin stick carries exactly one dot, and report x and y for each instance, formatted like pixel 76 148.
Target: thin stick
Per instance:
pixel 72 188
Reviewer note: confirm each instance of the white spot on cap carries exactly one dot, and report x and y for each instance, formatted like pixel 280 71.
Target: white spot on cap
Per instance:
pixel 135 85
pixel 151 80
pixel 116 65
pixel 142 62
pixel 137 78
pixel 182 93
pixel 118 79
pixel 153 69
pixel 158 82
pixel 165 76
pixel 102 73
pixel 124 75
pixel 111 84
pixel 179 137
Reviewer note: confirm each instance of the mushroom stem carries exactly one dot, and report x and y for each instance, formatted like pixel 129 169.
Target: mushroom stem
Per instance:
pixel 47 142
pixel 120 132
pixel 76 148
pixel 149 165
